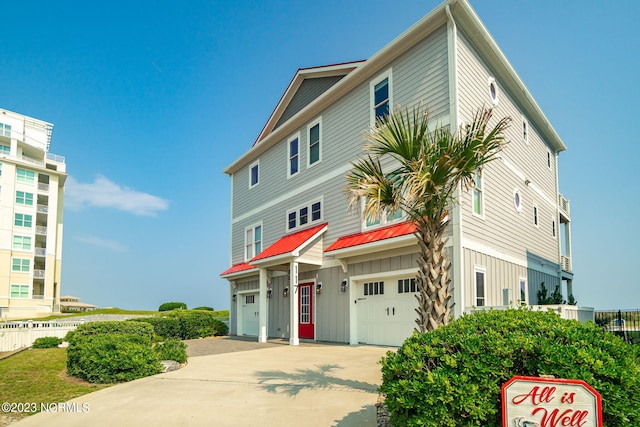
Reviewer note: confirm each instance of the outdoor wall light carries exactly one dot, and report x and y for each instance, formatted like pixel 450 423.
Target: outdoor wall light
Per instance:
pixel 269 291
pixel 285 292
pixel 343 285
pixel 233 297
pixel 319 287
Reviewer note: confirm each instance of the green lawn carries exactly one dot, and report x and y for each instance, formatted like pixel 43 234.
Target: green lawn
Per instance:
pixel 39 376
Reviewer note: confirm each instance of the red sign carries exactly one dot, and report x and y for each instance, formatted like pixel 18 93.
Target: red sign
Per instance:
pixel 542 402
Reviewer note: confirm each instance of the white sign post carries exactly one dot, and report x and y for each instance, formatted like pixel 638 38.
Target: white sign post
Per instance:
pixel 542 402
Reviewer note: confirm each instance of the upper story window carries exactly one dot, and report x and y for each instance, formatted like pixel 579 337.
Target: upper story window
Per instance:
pixel 314 134
pixel 24 198
pixel 20 291
pixel 304 215
pixel 381 96
pixel 5 150
pixel 553 227
pixel 549 163
pixel 22 242
pixel 493 91
pixel 26 176
pixel 252 241
pixel 517 200
pixel 535 215
pixel 293 153
pixel 23 220
pixel 391 217
pixel 525 130
pixel 21 265
pixel 5 130
pixel 254 174
pixel 478 194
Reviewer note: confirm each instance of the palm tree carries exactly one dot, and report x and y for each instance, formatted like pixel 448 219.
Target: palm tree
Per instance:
pixel 428 167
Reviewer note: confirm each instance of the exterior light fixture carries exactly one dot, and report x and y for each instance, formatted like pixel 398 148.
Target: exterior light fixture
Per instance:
pixel 343 285
pixel 285 292
pixel 319 287
pixel 269 291
pixel 233 297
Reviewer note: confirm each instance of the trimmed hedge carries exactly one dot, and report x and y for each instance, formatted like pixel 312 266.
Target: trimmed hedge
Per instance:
pixel 204 308
pixel 47 342
pixel 171 349
pixel 452 376
pixel 186 325
pixel 168 306
pixel 109 352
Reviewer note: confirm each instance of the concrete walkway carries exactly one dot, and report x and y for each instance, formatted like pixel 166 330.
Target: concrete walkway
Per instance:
pixel 251 384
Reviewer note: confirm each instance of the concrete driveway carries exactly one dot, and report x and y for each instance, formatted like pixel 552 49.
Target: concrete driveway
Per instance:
pixel 252 384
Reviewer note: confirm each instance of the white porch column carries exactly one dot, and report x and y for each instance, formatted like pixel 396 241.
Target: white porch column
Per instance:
pixel 262 336
pixel 293 304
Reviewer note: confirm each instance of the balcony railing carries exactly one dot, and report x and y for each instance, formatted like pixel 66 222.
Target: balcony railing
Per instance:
pixel 564 204
pixel 41 230
pixel 41 251
pixel 32 160
pixel 42 186
pixel 43 209
pixel 55 158
pixel 566 262
pixel 38 274
pixel 34 296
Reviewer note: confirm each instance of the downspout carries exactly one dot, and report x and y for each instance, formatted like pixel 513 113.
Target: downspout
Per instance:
pixel 456 220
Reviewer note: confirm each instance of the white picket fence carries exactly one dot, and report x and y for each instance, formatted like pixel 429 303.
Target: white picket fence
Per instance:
pixel 16 335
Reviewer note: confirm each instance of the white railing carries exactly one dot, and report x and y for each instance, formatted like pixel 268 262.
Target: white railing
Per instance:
pixel 31 160
pixel 38 274
pixel 34 296
pixel 570 312
pixel 42 209
pixel 41 251
pixel 43 186
pixel 41 230
pixel 566 262
pixel 564 204
pixel 15 335
pixel 55 158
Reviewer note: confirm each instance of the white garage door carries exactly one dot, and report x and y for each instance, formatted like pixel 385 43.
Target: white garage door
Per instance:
pixel 250 315
pixel 386 311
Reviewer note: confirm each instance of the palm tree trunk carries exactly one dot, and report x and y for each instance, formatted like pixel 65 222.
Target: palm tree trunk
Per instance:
pixel 433 280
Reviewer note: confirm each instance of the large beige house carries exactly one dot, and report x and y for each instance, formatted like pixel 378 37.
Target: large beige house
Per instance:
pixel 31 202
pixel 303 266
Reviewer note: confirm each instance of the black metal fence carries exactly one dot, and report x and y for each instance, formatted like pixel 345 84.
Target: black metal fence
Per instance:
pixel 624 323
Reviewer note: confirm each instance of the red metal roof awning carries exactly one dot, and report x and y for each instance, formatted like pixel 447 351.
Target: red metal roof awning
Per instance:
pixel 383 233
pixel 290 243
pixel 237 268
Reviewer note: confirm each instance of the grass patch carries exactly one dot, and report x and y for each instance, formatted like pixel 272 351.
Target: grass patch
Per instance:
pixel 39 376
pixel 219 314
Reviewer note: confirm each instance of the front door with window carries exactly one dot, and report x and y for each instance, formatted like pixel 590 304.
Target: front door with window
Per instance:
pixel 250 314
pixel 305 311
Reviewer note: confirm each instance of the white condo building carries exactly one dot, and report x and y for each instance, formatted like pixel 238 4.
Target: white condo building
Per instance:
pixel 31 203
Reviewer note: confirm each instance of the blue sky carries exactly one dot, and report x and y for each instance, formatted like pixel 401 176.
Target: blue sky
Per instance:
pixel 151 100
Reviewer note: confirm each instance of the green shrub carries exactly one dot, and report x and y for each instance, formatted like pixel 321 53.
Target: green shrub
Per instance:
pixel 455 373
pixel 47 342
pixel 108 352
pixel 204 308
pixel 186 325
pixel 168 306
pixel 171 349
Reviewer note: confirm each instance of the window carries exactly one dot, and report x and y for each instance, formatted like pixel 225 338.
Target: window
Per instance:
pixel 23 198
pixel 381 94
pixel 478 196
pixel 249 299
pixel 307 214
pixel 253 241
pixel 314 137
pixel 517 200
pixel 553 227
pixel 407 285
pixel 21 265
pixel 5 150
pixel 374 288
pixel 493 91
pixel 20 291
pixel 525 130
pixel 535 215
pixel 523 291
pixel 254 174
pixel 549 159
pixel 21 242
pixel 480 286
pixel 23 220
pixel 5 130
pixel 26 176
pixel 294 156
pixel 388 219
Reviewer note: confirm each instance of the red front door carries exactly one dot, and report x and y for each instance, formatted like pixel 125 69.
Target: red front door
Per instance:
pixel 305 310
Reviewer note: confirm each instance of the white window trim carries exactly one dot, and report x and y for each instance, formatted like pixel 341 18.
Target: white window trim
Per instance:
pixel 482 190
pixel 310 222
pixel 318 122
pixel 253 243
pixel 23 227
pixel 22 259
pixel 526 290
pixel 388 74
pixel 251 166
pixel 29 289
pixel 292 138
pixel 383 221
pixel 519 193
pixel 535 211
pixel 492 82
pixel 479 269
